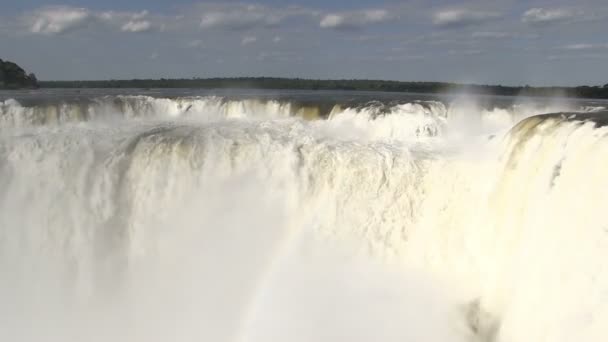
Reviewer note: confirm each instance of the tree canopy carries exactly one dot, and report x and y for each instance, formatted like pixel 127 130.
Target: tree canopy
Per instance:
pixel 361 85
pixel 12 76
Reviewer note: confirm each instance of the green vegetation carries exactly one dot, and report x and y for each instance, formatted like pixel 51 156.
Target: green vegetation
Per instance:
pixel 13 76
pixel 361 85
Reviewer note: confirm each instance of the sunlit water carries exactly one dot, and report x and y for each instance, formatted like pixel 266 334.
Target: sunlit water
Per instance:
pixel 300 216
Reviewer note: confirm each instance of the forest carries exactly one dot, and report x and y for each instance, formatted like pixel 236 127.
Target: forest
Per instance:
pixel 600 92
pixel 12 76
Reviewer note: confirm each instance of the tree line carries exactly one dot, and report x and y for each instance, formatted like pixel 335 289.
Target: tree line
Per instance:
pixel 600 92
pixel 12 76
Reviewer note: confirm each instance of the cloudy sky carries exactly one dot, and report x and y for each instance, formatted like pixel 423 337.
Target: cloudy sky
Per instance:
pixel 537 42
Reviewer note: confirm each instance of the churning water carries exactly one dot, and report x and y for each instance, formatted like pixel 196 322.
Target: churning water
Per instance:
pixel 301 217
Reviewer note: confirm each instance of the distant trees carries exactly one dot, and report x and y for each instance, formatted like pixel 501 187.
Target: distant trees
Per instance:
pixel 12 76
pixel 33 78
pixel 361 85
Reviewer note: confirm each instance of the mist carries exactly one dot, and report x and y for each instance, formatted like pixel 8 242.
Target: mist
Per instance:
pixel 155 218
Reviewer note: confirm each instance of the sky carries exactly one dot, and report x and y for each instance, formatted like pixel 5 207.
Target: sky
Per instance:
pixel 511 42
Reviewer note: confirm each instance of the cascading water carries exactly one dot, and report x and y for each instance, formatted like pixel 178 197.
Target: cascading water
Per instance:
pixel 133 218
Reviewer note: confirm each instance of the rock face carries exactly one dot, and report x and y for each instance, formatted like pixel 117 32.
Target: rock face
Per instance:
pixel 12 76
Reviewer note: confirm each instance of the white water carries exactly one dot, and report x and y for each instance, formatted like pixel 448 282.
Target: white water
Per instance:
pixel 205 219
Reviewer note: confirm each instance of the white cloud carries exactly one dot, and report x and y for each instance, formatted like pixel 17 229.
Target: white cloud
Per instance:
pixel 463 17
pixel 140 15
pixel 237 21
pixel 136 22
pixel 277 56
pixel 547 16
pixel 57 20
pixel 575 57
pixel 585 46
pixel 244 17
pixel 136 26
pixel 357 19
pixel 60 19
pixel 390 58
pixel 332 20
pixel 491 34
pixel 249 40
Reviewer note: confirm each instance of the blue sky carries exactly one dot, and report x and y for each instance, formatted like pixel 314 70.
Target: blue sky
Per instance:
pixel 538 42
